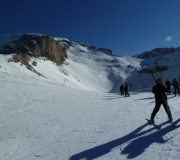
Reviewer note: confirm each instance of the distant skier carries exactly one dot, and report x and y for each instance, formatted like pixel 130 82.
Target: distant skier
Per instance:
pixel 176 86
pixel 126 90
pixel 121 89
pixel 168 85
pixel 159 91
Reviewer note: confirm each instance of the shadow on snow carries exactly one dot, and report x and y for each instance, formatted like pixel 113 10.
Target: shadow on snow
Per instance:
pixel 137 143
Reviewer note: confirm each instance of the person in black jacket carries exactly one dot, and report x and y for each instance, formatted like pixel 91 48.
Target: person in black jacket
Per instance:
pixel 159 91
pixel 121 89
pixel 175 84
pixel 126 90
pixel 168 85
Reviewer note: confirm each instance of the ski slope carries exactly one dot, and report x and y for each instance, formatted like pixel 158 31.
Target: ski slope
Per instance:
pixel 41 120
pixel 68 114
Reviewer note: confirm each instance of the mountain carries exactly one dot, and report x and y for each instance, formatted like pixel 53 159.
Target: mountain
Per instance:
pixel 158 51
pixel 63 62
pixel 52 112
pixel 168 57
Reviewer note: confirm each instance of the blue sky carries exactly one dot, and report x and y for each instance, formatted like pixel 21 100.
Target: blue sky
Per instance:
pixel 127 27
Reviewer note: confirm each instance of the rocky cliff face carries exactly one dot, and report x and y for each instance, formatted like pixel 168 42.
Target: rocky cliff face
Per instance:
pixel 37 46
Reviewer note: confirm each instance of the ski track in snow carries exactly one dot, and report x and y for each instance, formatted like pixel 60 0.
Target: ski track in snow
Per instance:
pixel 43 121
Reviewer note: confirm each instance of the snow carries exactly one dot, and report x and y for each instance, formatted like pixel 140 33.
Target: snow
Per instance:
pixel 69 115
pixel 47 121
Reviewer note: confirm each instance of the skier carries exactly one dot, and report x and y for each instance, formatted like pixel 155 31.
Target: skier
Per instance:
pixel 126 90
pixel 160 98
pixel 168 85
pixel 121 89
pixel 176 86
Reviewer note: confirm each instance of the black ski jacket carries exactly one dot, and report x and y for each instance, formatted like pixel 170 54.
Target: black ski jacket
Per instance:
pixel 159 91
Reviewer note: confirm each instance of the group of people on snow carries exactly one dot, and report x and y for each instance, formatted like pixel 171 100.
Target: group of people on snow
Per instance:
pixel 160 92
pixel 124 90
pixel 175 85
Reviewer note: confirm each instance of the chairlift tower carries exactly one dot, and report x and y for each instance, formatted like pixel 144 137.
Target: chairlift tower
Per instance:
pixel 154 70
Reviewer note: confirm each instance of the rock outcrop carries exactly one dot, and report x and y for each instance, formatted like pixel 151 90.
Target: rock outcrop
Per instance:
pixel 38 46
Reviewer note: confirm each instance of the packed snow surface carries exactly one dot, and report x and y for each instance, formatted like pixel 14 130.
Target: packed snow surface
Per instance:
pixel 42 120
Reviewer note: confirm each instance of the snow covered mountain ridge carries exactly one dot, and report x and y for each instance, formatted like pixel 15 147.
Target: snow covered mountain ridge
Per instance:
pixel 62 62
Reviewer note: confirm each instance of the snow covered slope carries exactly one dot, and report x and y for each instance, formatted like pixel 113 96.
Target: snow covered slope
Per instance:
pixel 99 71
pixel 47 121
pixel 85 68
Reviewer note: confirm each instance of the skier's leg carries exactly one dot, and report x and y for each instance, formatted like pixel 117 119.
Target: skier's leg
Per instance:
pixel 167 109
pixel 175 91
pixel 168 89
pixel 125 93
pixel 155 110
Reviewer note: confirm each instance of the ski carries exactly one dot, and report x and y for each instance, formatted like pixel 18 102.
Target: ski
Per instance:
pixel 160 125
pixel 173 124
pixel 168 121
pixel 150 122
